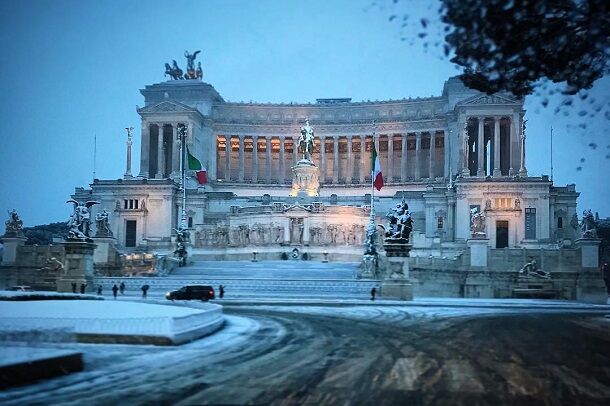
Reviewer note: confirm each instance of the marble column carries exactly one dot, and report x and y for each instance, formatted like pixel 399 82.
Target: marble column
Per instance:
pixel 350 167
pixel 254 159
pixel 145 150
pixel 464 136
pixel 335 159
pixel 241 158
pixel 322 159
pixel 160 153
pixel 403 158
pixel 268 166
pixel 390 158
pixel 227 158
pixel 363 164
pixel 295 150
pixel 513 132
pixel 176 152
pixel 282 175
pixel 417 153
pixel 497 172
pixel 431 172
pixel 481 147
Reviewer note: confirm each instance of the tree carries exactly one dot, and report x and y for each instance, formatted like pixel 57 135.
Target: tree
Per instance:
pixel 43 234
pixel 509 45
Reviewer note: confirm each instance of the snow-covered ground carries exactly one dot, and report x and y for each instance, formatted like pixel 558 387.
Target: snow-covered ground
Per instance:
pixel 109 317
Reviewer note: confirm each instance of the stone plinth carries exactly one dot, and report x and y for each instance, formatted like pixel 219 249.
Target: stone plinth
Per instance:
pixel 398 285
pixel 589 252
pixel 11 247
pixel 401 289
pixel 368 268
pixel 103 249
pixel 397 248
pixel 479 248
pixel 305 179
pixel 78 267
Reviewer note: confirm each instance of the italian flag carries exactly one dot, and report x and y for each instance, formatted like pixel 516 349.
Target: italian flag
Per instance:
pixel 376 168
pixel 195 165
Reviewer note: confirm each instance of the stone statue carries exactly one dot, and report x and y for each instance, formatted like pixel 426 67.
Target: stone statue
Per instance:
pixel 199 71
pixel 400 224
pixel 477 223
pixel 531 269
pixel 517 204
pixel 101 225
pixel 488 204
pixel 190 65
pixel 52 264
pixel 80 221
pixel 587 225
pixel 173 71
pixel 306 141
pixel 14 225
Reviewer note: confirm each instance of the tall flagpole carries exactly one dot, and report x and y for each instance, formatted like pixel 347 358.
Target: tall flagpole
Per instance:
pixel 183 132
pixel 551 153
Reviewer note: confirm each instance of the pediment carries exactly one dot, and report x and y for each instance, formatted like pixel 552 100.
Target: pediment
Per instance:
pixel 488 99
pixel 297 208
pixel 167 106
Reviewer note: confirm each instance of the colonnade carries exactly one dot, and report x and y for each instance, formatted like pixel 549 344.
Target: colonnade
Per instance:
pixel 160 155
pixel 341 159
pixel 475 159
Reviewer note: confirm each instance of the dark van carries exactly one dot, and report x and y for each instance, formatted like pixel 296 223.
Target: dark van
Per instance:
pixel 191 292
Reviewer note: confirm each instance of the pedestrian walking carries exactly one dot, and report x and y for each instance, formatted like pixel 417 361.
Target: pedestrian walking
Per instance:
pixel 115 289
pixel 82 287
pixel 73 287
pixel 144 291
pixel 221 290
pixel 99 290
pixel 373 293
pixel 122 288
pixel 605 268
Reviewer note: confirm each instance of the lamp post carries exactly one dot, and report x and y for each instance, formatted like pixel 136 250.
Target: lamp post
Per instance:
pixel 182 134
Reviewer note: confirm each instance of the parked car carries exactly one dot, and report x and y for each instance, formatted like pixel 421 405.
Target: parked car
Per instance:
pixel 21 289
pixel 192 292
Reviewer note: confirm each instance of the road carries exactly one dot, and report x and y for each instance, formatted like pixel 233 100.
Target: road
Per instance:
pixel 353 355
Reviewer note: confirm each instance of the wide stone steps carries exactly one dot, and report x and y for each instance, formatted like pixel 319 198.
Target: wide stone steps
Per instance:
pixel 300 279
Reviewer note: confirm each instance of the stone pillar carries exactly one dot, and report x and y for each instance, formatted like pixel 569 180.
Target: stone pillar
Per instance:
pixel 254 159
pixel 403 159
pixel 350 167
pixel 590 286
pixel 497 172
pixel 363 164
pixel 295 150
pixel 464 137
pixel 11 249
pixel 478 252
pixel 160 153
pixel 78 267
pixel 512 133
pixel 227 157
pixel 268 159
pixel 481 147
pixel 322 159
pixel 431 173
pixel 241 158
pixel 390 158
pixel 145 150
pixel 417 153
pixel 336 159
pixel 175 159
pixel 282 175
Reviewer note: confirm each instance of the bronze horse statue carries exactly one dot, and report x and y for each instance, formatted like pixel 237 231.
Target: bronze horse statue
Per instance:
pixel 173 71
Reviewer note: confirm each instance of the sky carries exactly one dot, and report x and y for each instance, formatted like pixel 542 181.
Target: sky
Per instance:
pixel 72 70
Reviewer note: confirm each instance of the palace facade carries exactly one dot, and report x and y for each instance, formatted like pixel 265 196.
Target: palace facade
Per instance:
pixel 446 156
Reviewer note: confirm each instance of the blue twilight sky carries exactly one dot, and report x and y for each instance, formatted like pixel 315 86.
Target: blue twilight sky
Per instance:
pixel 72 70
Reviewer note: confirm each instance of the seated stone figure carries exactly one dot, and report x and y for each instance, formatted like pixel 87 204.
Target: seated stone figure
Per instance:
pixel 400 224
pixel 531 269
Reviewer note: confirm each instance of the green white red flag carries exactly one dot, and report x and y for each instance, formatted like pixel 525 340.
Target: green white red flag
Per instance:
pixel 195 165
pixel 376 168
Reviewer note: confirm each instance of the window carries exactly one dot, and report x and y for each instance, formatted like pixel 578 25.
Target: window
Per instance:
pixel 439 223
pixel 190 223
pixel 530 223
pixel 131 204
pixel 559 222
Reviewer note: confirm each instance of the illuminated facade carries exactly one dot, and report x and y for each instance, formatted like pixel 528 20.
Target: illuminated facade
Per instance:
pixel 444 155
